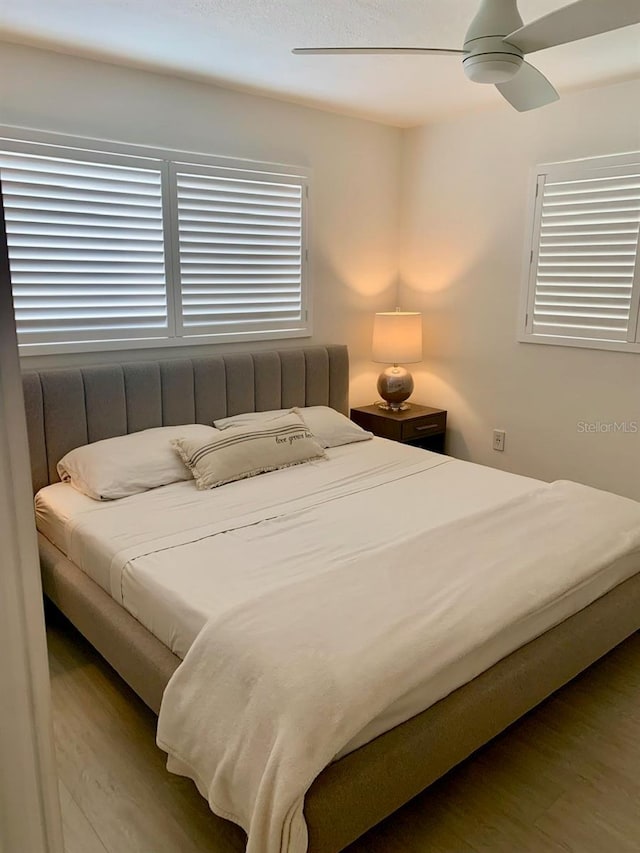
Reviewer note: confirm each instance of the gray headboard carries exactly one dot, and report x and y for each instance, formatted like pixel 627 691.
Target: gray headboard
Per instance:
pixel 75 406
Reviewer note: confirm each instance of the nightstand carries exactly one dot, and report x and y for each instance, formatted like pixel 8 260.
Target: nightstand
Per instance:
pixel 421 426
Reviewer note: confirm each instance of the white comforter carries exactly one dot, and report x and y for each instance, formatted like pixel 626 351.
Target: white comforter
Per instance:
pixel 176 557
pixel 276 685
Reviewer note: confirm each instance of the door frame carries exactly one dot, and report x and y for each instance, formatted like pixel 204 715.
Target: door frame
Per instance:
pixel 29 805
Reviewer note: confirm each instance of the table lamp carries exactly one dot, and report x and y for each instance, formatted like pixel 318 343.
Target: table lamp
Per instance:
pixel 397 339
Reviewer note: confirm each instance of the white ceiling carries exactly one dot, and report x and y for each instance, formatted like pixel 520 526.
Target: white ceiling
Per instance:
pixel 246 44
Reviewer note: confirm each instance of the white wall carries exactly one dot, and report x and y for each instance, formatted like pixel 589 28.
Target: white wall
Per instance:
pixel 465 203
pixel 355 189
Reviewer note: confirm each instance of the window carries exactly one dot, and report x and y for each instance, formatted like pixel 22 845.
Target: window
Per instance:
pixel 240 250
pixel 583 274
pixel 114 249
pixel 86 248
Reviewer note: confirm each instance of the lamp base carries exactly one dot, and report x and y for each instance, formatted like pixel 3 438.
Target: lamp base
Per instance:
pixel 385 407
pixel 395 385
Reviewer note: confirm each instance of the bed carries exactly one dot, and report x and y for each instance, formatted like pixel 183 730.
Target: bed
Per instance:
pixel 69 408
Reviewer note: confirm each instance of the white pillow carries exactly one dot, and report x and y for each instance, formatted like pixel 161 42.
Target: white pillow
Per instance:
pixel 331 428
pixel 128 464
pixel 245 451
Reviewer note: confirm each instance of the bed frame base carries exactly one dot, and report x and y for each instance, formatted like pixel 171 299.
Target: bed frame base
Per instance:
pixel 358 791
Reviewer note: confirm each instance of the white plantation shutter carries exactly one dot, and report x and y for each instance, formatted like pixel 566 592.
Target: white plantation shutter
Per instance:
pixel 86 245
pixel 240 250
pixel 124 246
pixel 584 277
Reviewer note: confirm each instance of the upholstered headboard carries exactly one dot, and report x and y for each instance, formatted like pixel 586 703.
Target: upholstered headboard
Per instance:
pixel 75 406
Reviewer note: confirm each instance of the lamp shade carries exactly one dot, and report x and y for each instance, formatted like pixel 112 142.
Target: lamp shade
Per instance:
pixel 397 337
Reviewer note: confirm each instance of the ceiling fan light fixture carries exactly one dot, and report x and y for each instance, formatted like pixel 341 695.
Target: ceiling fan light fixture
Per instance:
pixel 492 67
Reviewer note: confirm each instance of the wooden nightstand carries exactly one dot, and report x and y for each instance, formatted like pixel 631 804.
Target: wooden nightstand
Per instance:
pixel 420 425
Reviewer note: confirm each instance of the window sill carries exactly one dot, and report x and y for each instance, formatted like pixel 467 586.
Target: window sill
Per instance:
pixel 27 350
pixel 581 343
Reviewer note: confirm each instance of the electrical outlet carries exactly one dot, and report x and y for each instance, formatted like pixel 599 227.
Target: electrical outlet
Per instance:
pixel 499 439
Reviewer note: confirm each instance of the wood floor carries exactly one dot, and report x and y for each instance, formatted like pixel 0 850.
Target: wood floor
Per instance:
pixel 565 778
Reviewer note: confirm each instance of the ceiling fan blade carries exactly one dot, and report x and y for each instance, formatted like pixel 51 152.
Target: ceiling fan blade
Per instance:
pixel 528 90
pixel 372 50
pixel 574 22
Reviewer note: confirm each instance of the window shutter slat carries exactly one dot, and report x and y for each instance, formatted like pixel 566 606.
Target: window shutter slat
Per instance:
pixel 86 248
pixel 585 261
pixel 240 252
pixel 221 229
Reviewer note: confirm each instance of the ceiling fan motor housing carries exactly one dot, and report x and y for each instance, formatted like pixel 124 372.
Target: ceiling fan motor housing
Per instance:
pixel 488 58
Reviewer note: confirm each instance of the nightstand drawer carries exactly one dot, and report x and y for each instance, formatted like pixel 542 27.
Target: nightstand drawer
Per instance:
pixel 420 426
pixel 424 427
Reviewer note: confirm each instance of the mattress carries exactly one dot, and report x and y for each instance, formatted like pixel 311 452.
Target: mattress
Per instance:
pixel 176 557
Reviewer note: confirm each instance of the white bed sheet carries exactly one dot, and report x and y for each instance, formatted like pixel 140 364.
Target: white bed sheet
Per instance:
pixel 261 532
pixel 176 557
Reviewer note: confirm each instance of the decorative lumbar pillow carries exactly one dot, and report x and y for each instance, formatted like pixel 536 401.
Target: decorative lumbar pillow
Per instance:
pixel 128 464
pixel 331 428
pixel 245 451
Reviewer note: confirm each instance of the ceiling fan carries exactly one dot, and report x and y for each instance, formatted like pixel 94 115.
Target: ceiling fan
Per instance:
pixel 497 41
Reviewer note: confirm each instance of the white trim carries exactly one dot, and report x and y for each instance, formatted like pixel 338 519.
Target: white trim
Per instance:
pixel 580 343
pixel 27 350
pixel 89 143
pixel 29 806
pixel 307 279
pixel 533 249
pixel 634 329
pixel 171 252
pixel 38 147
pixel 605 161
